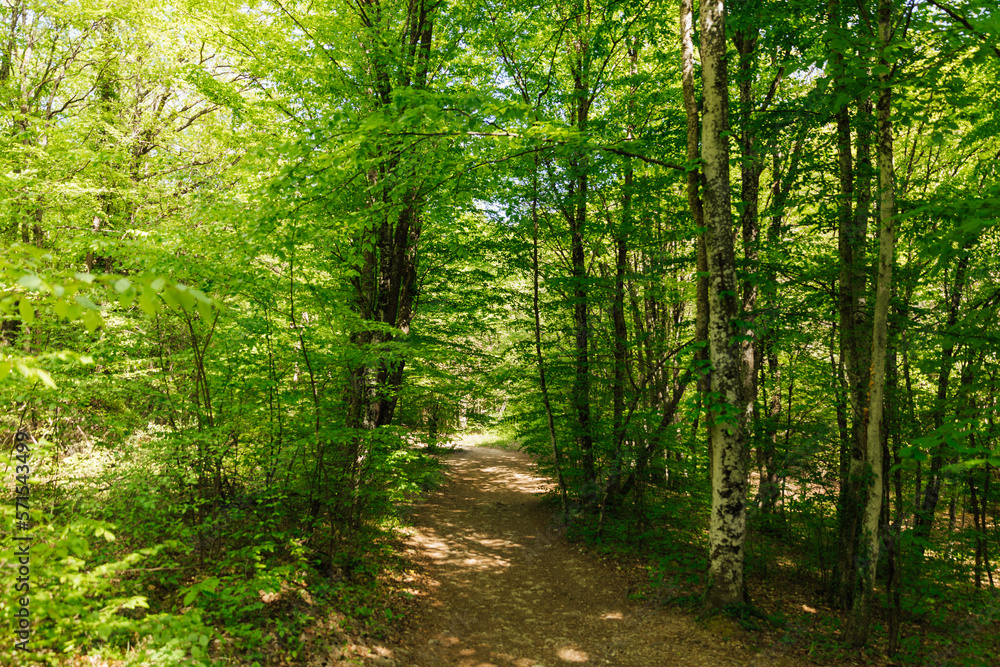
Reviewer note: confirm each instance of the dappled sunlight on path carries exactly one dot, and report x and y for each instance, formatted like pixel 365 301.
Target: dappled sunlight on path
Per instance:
pixel 501 588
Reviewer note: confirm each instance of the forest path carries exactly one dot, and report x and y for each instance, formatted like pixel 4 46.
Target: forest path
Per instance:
pixel 502 588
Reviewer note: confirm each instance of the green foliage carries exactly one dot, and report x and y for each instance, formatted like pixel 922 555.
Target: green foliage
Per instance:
pixel 78 601
pixel 750 618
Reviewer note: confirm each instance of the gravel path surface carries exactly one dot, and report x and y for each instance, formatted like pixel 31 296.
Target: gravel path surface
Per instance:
pixel 501 588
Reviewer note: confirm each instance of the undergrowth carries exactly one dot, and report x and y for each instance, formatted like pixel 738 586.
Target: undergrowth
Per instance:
pixel 946 620
pixel 142 575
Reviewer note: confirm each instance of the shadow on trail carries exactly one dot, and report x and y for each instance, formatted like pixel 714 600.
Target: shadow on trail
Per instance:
pixel 503 589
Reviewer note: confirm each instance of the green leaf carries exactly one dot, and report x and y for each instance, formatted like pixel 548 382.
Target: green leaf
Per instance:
pixel 122 285
pixel 63 309
pixel 205 310
pixel 185 297
pixel 170 298
pixel 209 584
pixel 44 376
pixel 30 281
pixel 92 320
pixel 149 304
pixel 125 299
pixel 86 302
pixel 27 312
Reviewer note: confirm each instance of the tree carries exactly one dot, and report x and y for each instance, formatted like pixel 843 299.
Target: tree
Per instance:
pixel 857 631
pixel 726 584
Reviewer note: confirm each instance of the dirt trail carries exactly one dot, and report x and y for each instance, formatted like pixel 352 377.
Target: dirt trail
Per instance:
pixel 501 588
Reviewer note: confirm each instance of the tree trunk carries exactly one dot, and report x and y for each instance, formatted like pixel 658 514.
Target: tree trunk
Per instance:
pixel 385 289
pixel 578 222
pixel 694 178
pixel 857 628
pixel 726 585
pixel 854 337
pixel 547 404
pixel 619 326
pixel 925 514
pixel 751 168
pixel 980 530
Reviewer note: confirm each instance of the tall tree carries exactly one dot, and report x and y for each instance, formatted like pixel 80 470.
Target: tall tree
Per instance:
pixel 694 198
pixel 580 61
pixel 870 537
pixel 727 530
pixel 387 281
pixel 852 227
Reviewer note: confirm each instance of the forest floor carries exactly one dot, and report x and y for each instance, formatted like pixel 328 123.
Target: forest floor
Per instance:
pixel 497 585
